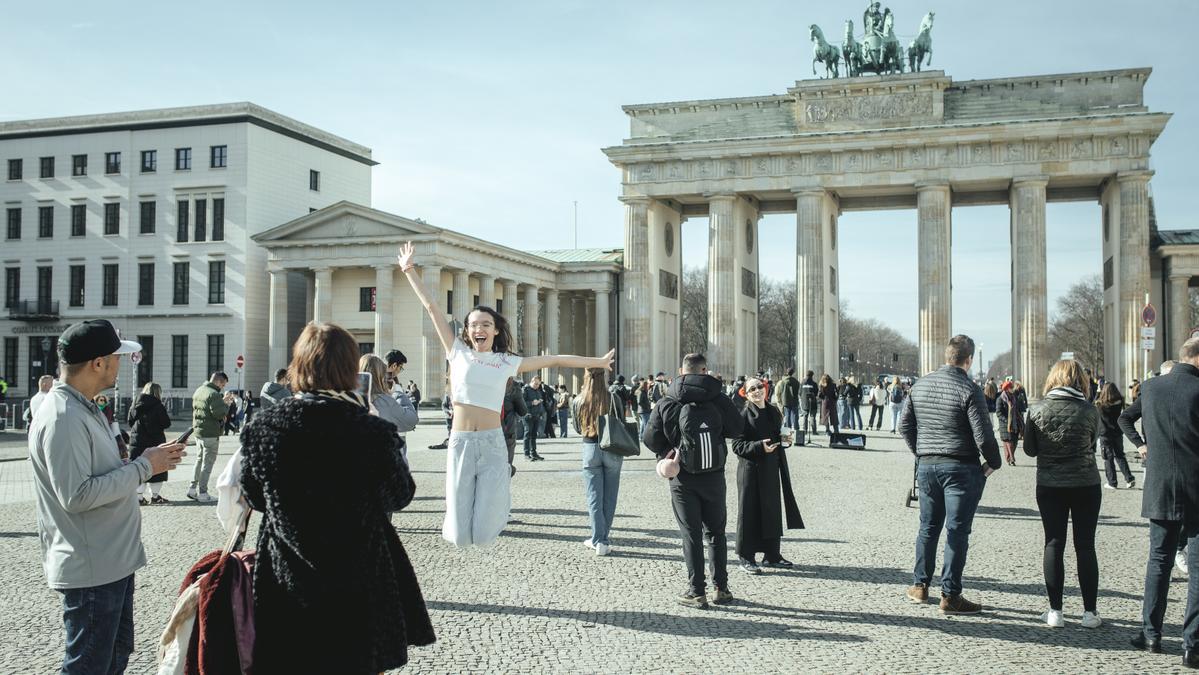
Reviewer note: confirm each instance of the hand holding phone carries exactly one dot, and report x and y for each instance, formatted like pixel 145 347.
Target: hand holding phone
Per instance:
pixel 182 439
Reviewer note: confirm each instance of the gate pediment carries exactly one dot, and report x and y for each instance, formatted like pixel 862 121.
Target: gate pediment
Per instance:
pixel 870 102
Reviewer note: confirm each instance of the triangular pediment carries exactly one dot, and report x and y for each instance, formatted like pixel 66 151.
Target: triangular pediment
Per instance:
pixel 345 221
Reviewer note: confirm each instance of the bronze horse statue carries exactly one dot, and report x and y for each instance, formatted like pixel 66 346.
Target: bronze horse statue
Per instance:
pixel 824 53
pixel 851 51
pixel 922 45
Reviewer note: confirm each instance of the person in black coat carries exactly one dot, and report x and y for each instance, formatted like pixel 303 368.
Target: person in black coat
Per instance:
pixel 827 393
pixel 1168 408
pixel 1110 404
pixel 334 590
pixel 761 469
pixel 148 421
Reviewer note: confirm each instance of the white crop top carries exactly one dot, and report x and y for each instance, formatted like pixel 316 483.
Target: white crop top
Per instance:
pixel 480 378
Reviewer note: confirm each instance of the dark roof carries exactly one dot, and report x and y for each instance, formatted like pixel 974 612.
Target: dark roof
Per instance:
pixel 1176 237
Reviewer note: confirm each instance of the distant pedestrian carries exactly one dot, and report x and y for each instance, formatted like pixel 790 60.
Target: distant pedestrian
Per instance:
pixel 274 392
pixel 896 394
pixel 385 404
pixel 809 403
pixel 447 409
pixel 148 421
pixel 991 393
pixel 789 396
pixel 601 469
pixel 562 399
pixel 945 424
pixel 511 414
pixel 1060 433
pixel 209 408
pixel 44 383
pixel 843 420
pixel 878 403
pixel 829 402
pixel 644 405
pixel 623 394
pixel 535 420
pixel 1010 411
pixel 1111 441
pixel 853 401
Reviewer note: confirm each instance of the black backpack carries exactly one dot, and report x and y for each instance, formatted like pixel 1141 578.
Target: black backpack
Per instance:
pixel 701 439
pixel 896 394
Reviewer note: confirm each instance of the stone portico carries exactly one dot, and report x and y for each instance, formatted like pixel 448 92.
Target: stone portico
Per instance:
pixel 339 264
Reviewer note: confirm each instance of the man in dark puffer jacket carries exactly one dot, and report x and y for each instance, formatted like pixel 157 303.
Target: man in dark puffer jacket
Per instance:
pixel 946 425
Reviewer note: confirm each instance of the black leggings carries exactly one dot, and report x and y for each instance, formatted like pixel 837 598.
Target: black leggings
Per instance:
pixel 1059 505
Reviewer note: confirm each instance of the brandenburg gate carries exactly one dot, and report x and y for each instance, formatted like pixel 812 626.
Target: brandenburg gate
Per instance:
pixel 908 141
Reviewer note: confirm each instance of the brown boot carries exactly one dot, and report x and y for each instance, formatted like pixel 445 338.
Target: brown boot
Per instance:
pixel 956 604
pixel 918 594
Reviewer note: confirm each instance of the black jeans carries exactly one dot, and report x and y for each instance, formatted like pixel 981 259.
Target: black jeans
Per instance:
pixel 1060 505
pixel 810 416
pixel 698 500
pixel 875 410
pixel 1163 544
pixel 534 424
pixel 1113 455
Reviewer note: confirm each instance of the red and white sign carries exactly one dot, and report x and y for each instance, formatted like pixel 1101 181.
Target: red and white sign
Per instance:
pixel 241 361
pixel 1149 315
pixel 136 358
pixel 1195 332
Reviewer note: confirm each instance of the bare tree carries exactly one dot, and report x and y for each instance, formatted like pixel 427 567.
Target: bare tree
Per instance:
pixel 777 316
pixel 1001 366
pixel 1077 323
pixel 693 305
pixel 869 348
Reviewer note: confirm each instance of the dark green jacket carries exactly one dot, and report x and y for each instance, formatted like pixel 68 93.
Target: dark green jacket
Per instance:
pixel 1061 432
pixel 208 411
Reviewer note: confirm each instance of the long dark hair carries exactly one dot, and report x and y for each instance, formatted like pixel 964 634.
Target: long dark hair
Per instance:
pixel 1109 396
pixel 594 400
pixel 503 341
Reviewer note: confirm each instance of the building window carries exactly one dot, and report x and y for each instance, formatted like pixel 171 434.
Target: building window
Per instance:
pixel 145 283
pixel 78 220
pixel 366 299
pixel 46 167
pixel 201 219
pixel 12 286
pixel 182 276
pixel 149 161
pixel 218 219
pixel 181 228
pixel 112 162
pixel 145 367
pixel 45 282
pixel 108 286
pixel 216 353
pixel 78 165
pixel 10 358
pixel 218 154
pixel 14 224
pixel 314 180
pixel 45 222
pixel 15 169
pixel 75 297
pixel 179 361
pixel 183 159
pixel 112 218
pixel 149 211
pixel 216 282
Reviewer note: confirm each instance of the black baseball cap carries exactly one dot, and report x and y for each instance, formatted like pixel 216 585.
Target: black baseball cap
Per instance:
pixel 93 339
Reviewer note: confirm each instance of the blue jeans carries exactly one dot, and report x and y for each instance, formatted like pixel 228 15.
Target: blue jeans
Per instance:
pixel 563 422
pixel 896 408
pixel 842 411
pixel 601 477
pixel 99 627
pixel 644 421
pixel 949 496
pixel 791 416
pixel 1164 536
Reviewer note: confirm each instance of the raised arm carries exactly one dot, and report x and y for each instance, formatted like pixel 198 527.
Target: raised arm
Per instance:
pixel 418 286
pixel 532 363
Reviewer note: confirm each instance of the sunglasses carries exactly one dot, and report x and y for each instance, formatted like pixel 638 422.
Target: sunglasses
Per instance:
pixel 753 389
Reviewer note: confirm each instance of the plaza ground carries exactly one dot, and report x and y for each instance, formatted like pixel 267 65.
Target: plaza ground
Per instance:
pixel 539 601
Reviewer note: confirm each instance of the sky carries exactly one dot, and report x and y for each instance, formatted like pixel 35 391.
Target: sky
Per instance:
pixel 489 118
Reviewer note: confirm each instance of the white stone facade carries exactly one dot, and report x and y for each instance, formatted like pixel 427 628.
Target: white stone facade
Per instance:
pixel 265 181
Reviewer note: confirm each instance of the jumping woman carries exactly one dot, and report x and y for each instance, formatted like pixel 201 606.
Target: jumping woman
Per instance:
pixel 477 496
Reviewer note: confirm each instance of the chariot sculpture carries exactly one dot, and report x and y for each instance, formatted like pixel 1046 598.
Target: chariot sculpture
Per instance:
pixel 878 51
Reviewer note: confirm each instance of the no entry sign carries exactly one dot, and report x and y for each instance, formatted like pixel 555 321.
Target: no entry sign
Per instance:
pixel 1149 315
pixel 241 361
pixel 136 358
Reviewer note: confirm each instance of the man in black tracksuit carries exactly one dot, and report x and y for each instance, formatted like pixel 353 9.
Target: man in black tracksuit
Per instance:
pixel 809 402
pixel 698 499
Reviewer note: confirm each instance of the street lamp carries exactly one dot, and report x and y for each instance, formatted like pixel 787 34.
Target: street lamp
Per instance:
pixel 980 360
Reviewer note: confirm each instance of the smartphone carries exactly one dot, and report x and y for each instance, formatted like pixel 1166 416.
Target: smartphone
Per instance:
pixel 183 436
pixel 364 384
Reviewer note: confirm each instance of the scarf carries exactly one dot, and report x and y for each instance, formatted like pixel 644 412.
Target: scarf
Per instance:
pixel 351 397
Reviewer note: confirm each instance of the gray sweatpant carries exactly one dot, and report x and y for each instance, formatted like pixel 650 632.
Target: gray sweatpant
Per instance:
pixel 207 449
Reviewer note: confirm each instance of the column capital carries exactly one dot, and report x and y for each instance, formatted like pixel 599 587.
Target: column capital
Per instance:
pixel 926 185
pixel 1142 175
pixel 635 200
pixel 385 266
pixel 322 270
pixel 809 191
pixel 720 196
pixel 1030 181
pixel 1180 276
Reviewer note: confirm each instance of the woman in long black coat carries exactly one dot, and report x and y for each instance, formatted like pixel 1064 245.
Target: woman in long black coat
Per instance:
pixel 827 393
pixel 334 590
pixel 148 421
pixel 762 476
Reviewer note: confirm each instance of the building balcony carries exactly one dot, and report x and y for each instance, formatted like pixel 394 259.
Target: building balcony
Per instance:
pixel 34 310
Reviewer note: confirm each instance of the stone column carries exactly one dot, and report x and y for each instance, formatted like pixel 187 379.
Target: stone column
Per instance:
pixel 1179 320
pixel 462 295
pixel 1133 268
pixel 638 287
pixel 934 228
pixel 528 342
pixel 589 302
pixel 511 303
pixel 323 302
pixel 552 345
pixel 722 286
pixel 309 297
pixel 487 291
pixel 602 340
pixel 433 359
pixel 809 282
pixel 1030 325
pixel 580 316
pixel 277 331
pixel 384 307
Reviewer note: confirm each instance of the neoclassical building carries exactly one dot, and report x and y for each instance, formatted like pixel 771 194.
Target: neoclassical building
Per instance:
pixel 339 264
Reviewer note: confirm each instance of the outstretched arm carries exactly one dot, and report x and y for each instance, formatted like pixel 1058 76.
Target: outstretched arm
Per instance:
pixel 564 361
pixel 418 286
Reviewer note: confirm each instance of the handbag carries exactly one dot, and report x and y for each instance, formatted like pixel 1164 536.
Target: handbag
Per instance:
pixel 618 436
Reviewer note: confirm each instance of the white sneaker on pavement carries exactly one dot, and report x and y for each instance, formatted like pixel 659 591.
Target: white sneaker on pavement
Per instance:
pixel 1091 620
pixel 1109 486
pixel 204 498
pixel 1180 561
pixel 191 493
pixel 1054 618
pixel 588 544
pixel 602 549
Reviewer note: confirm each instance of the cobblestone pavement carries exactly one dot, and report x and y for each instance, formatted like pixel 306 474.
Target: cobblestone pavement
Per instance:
pixel 541 602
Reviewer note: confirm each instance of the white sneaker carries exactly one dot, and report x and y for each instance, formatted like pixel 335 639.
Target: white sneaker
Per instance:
pixel 588 544
pixel 1180 561
pixel 602 549
pixel 1054 618
pixel 191 493
pixel 1091 620
pixel 204 497
pixel 1109 486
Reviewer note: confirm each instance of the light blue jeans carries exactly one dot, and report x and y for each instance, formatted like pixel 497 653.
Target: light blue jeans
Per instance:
pixel 478 494
pixel 601 477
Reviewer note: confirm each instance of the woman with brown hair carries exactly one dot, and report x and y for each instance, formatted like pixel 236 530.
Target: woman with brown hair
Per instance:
pixel 334 590
pixel 1111 440
pixel 827 393
pixel 482 358
pixel 1060 433
pixel 148 421
pixel 385 404
pixel 601 469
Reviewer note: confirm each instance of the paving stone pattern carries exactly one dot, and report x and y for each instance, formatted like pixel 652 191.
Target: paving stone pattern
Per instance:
pixel 539 601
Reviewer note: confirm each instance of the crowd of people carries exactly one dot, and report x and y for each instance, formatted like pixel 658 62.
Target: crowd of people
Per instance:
pixel 329 569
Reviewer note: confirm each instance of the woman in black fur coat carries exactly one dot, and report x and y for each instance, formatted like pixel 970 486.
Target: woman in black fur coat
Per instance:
pixel 334 590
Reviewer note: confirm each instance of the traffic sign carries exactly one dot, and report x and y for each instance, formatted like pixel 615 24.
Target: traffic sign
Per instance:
pixel 1148 344
pixel 136 358
pixel 1149 314
pixel 1148 331
pixel 241 361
